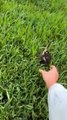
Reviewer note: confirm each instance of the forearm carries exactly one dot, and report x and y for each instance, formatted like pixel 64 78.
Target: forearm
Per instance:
pixel 57 102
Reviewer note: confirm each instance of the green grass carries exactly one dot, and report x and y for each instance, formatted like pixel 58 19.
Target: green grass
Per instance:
pixel 26 28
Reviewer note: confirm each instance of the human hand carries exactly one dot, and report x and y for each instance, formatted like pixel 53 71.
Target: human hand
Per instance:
pixel 50 77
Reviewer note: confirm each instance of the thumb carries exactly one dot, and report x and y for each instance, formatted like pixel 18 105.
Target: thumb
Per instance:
pixel 43 73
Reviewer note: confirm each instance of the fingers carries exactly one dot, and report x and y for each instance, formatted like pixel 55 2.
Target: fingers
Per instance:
pixel 42 71
pixel 52 67
pixel 44 76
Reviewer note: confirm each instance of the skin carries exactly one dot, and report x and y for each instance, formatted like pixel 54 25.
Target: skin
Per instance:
pixel 50 77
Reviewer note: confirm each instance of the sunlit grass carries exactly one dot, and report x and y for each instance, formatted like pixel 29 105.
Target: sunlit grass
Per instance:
pixel 26 28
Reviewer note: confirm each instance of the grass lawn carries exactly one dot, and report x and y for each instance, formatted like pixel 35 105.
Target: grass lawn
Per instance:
pixel 26 28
